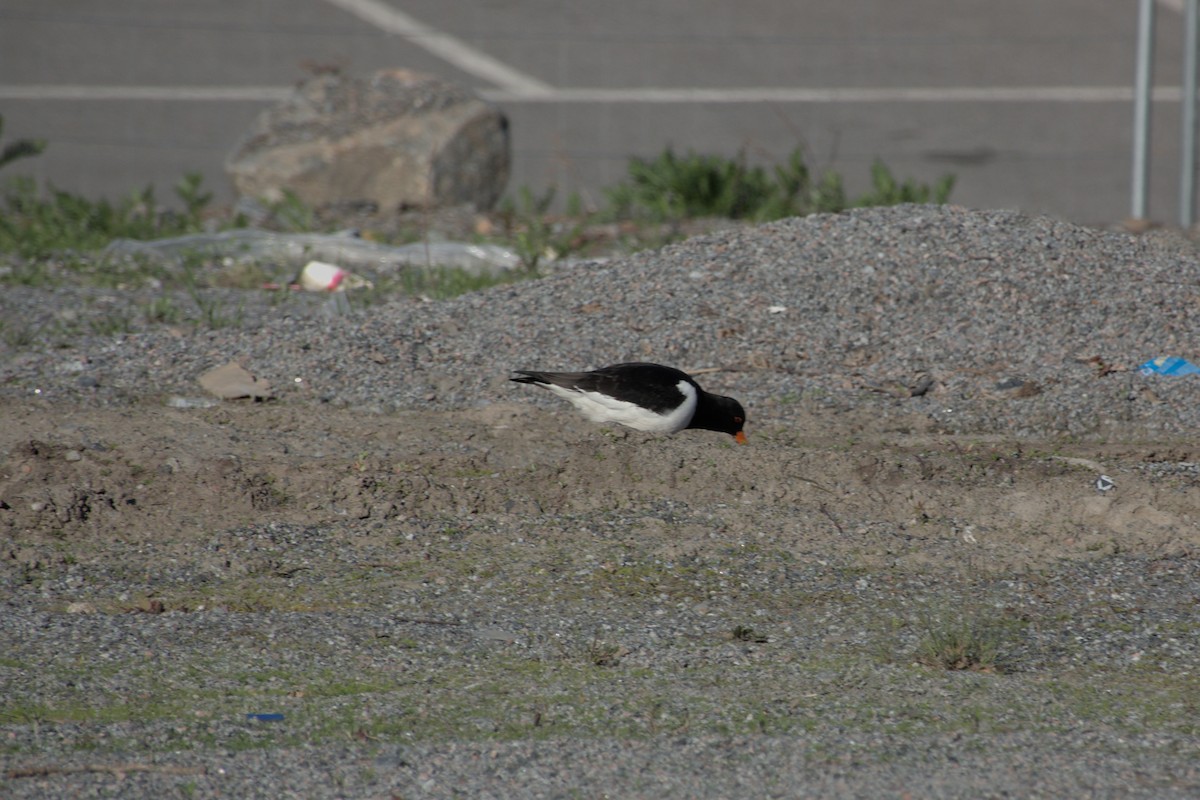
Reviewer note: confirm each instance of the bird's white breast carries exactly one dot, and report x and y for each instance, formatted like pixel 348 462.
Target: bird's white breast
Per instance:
pixel 602 408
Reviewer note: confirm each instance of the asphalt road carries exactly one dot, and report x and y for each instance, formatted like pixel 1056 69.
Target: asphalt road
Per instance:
pixel 1029 103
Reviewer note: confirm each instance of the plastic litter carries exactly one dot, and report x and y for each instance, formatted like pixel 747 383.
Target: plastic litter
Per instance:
pixel 178 401
pixel 346 248
pixel 1105 484
pixel 319 276
pixel 1169 365
pixel 265 717
pixel 337 305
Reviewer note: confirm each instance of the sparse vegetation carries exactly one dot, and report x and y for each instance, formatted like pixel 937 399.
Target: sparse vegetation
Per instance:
pixel 21 148
pixel 161 311
pixel 887 191
pixel 744 633
pixel 439 283
pixel 213 312
pixel 111 323
pixel 36 224
pixel 671 187
pixel 962 644
pixel 51 237
pixel 534 233
pixel 604 654
pixel 17 335
pixel 291 214
pixel 445 626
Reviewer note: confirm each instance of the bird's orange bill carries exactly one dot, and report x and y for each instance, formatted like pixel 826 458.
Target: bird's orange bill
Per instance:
pixel 739 437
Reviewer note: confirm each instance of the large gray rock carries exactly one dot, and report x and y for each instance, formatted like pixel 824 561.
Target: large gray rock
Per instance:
pixel 397 139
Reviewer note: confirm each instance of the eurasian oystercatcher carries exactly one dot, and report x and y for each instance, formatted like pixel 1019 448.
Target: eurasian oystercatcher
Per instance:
pixel 648 397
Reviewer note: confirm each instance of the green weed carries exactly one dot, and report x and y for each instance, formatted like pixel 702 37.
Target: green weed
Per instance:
pixel 962 644
pixel 672 187
pixel 34 224
pixel 440 283
pixel 17 337
pixel 534 234
pixel 161 311
pixel 21 148
pixel 111 324
pixel 887 191
pixel 292 214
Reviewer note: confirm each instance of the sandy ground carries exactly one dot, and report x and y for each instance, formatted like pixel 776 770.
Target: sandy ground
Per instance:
pixel 848 485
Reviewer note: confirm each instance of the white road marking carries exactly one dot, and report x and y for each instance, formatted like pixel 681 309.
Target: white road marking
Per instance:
pixel 898 94
pixel 257 94
pixel 901 94
pixel 450 49
pixel 516 86
pixel 521 86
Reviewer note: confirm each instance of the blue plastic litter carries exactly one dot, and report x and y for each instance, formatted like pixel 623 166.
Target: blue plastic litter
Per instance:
pixel 1169 365
pixel 265 717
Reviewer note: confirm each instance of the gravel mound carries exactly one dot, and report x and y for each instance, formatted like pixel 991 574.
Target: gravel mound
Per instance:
pixel 986 321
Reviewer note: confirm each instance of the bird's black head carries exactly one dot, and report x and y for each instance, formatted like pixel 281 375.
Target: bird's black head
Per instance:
pixel 718 413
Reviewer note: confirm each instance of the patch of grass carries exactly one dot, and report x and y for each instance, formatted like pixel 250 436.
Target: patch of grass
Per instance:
pixel 214 314
pixel 436 283
pixel 243 275
pixel 21 148
pixel 35 225
pixel 84 711
pixel 29 273
pixel 256 594
pixel 504 696
pixel 962 644
pixel 534 234
pixel 17 336
pixel 887 191
pixel 672 187
pixel 1141 698
pixel 292 214
pixel 744 633
pixel 213 311
pixel 112 323
pixel 604 654
pixel 161 311
pixel 650 205
pixel 650 580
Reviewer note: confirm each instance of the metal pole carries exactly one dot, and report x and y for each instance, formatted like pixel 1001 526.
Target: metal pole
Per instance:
pixel 1141 106
pixel 1187 177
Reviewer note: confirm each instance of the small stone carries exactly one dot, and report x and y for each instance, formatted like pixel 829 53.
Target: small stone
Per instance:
pixel 232 381
pixel 73 455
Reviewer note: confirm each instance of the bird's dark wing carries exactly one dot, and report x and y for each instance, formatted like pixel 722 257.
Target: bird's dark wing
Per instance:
pixel 651 386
